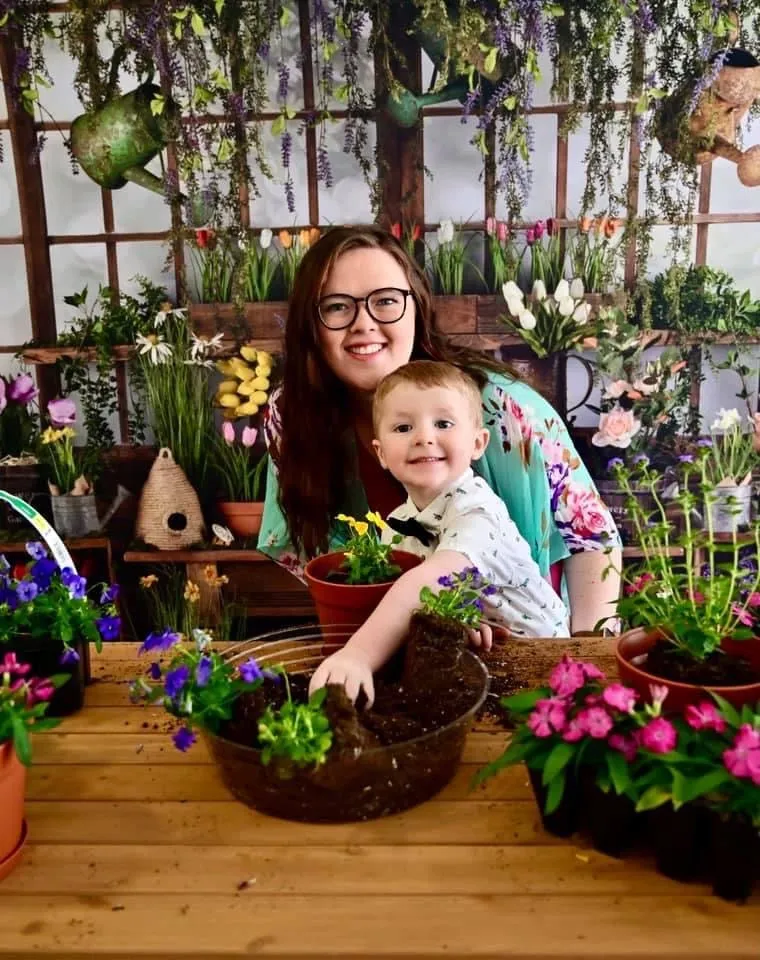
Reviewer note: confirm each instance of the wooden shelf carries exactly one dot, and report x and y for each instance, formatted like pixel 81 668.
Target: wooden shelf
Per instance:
pixel 212 555
pixel 80 543
pixel 636 553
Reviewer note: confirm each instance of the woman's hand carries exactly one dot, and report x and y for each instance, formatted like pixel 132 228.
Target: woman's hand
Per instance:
pixel 349 669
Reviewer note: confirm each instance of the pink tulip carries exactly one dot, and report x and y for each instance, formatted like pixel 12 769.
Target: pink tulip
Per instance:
pixel 228 432
pixel 490 226
pixel 22 390
pixel 249 436
pixel 62 413
pixel 539 228
pixel 530 236
pixel 502 231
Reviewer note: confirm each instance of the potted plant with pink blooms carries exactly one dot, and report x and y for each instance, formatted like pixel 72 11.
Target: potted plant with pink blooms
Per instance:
pixel 242 478
pixel 19 428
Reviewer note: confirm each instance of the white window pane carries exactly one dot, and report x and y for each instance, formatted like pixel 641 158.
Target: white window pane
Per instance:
pixel 148 259
pixel 75 266
pixel 727 193
pixel 137 209
pixel 540 201
pixel 735 248
pixel 73 202
pixel 10 219
pixel 60 99
pixel 456 189
pixel 14 296
pixel 719 388
pixel 348 199
pixel 271 208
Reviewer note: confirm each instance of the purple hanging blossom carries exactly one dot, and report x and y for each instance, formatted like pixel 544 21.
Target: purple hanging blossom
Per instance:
pixel 324 170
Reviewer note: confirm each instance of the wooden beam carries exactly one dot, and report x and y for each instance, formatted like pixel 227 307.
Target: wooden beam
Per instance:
pixel 309 102
pixel 31 199
pixel 705 184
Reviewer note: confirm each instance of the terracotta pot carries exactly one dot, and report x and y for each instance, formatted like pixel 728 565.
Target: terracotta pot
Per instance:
pixel 635 644
pixel 243 519
pixel 12 826
pixel 348 603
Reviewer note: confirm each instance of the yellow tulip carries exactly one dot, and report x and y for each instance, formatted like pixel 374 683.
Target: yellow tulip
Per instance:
pixel 227 386
pixel 248 353
pixel 230 414
pixel 261 383
pixel 304 239
pixel 314 235
pixel 247 409
pixel 259 397
pixel 229 400
pixel 361 527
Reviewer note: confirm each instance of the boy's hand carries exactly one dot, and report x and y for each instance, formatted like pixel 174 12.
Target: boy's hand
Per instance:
pixel 348 669
pixel 481 636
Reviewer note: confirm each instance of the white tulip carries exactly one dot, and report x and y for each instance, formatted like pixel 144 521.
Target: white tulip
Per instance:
pixel 527 320
pixel 266 238
pixel 562 291
pixel 581 313
pixel 727 420
pixel 515 307
pixel 445 231
pixel 576 288
pixel 566 305
pixel 539 290
pixel 511 291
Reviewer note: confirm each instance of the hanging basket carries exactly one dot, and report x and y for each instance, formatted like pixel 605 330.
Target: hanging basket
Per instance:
pixel 169 516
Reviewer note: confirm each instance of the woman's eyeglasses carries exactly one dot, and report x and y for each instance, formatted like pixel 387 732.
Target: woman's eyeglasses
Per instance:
pixel 338 310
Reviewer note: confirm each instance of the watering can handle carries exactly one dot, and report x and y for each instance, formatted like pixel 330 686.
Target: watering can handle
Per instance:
pixel 589 384
pixel 57 547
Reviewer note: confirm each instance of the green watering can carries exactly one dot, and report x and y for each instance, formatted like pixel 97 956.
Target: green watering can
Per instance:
pixel 114 143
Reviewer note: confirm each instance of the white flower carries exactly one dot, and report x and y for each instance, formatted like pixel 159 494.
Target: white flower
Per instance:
pixel 581 313
pixel 644 387
pixel 515 307
pixel 539 290
pixel 727 420
pixel 202 346
pixel 576 288
pixel 527 320
pixel 511 291
pixel 616 389
pixel 163 314
pixel 445 231
pixel 265 239
pixel 565 305
pixel 154 345
pixel 562 291
pixel 243 243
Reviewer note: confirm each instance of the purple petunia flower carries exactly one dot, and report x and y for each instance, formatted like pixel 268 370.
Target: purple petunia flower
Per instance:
pixel 446 581
pixel 36 550
pixel 68 576
pixel 203 671
pixel 184 738
pixel 109 627
pixel 27 590
pixel 250 671
pixel 159 641
pixel 69 656
pixel 110 594
pixel 175 680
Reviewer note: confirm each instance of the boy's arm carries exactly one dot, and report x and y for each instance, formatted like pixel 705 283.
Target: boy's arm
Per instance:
pixel 383 632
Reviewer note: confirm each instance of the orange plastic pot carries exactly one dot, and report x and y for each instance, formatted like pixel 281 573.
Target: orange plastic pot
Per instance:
pixel 632 649
pixel 12 826
pixel 242 518
pixel 348 603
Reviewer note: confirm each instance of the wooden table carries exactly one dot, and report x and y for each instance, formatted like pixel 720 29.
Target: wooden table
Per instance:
pixel 137 851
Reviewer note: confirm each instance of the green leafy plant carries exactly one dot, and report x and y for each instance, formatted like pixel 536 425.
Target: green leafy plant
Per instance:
pixel 23 702
pixel 461 597
pixel 694 609
pixel 593 255
pixel 213 262
pixel 296 732
pixel 259 266
pixel 242 481
pixel 505 259
pixel 367 560
pixel 547 263
pixel 293 247
pixel 730 456
pixel 448 259
pixel 700 300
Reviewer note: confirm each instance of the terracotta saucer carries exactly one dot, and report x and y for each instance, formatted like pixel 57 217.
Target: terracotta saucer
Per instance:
pixel 14 856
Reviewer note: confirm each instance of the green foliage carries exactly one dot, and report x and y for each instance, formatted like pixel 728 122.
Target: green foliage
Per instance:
pixel 296 732
pixel 700 299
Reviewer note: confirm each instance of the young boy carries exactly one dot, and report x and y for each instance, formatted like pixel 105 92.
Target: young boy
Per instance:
pixel 428 425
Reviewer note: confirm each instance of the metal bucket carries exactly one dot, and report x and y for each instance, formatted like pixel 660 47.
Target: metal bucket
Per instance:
pixel 730 508
pixel 75 516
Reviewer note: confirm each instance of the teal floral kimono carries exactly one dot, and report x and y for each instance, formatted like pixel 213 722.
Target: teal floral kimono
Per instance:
pixel 530 462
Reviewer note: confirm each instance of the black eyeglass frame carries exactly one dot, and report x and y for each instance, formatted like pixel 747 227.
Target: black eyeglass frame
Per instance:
pixel 365 301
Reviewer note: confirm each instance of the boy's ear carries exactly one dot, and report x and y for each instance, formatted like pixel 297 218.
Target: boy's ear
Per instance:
pixel 481 442
pixel 378 450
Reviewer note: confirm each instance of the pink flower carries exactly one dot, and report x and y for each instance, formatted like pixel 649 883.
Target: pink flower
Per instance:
pixel 628 745
pixel 753 766
pixel 62 412
pixel 742 615
pixel 566 677
pixel 228 432
pixel 249 436
pixel 639 583
pixel 502 232
pixel 753 600
pixel 490 226
pixel 574 731
pixel 595 721
pixel 515 424
pixel 747 738
pixel 550 716
pixel 619 697
pixel 616 428
pixel 659 736
pixel 658 692
pixel 592 672
pixel 10 664
pixel 530 236
pixel 697 597
pixel 22 390
pixel 552 227
pixel 39 690
pixel 583 510
pixel 554 451
pixel 616 388
pixel 539 228
pixel 3 395
pixel 704 716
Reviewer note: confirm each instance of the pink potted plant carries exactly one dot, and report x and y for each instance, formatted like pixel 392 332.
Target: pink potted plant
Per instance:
pixel 242 478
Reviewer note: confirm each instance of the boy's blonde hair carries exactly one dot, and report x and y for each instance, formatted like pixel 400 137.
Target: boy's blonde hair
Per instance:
pixel 426 374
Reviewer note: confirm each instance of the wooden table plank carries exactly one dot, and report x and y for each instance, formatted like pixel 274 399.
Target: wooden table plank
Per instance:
pixel 519 926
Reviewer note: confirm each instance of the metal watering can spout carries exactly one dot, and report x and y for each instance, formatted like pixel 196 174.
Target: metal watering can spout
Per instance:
pixel 114 144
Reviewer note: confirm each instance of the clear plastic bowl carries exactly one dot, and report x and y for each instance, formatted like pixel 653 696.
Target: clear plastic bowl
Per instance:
pixel 377 782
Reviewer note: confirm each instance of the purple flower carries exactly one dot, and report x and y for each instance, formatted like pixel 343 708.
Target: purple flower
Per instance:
pixel 175 680
pixel 3 397
pixel 614 462
pixel 62 413
pixel 250 671
pixel 203 671
pixel 27 590
pixel 110 594
pixel 704 442
pixel 109 627
pixel 155 671
pixel 641 458
pixel 77 588
pixel 686 458
pixel 69 656
pixel 42 571
pixel 446 581
pixel 184 738
pixel 36 550
pixel 68 576
pixel 22 390
pixel 159 641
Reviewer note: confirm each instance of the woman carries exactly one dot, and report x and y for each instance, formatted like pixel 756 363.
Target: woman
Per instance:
pixel 360 309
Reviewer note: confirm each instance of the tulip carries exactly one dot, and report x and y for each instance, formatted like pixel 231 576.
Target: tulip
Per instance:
pixel 539 290
pixel 511 291
pixel 527 320
pixel 249 436
pixel 62 413
pixel 314 235
pixel 562 291
pixel 228 432
pixel 249 353
pixel 396 230
pixel 552 227
pixel 490 226
pixel 566 306
pixel 22 390
pixel 248 409
pixel 285 239
pixel 539 228
pixel 260 383
pixel 446 231
pixel 502 231
pixel 530 236
pixel 582 313
pixel 585 224
pixel 576 288
pixel 266 238
pixel 227 386
pixel 230 400
pixel 416 232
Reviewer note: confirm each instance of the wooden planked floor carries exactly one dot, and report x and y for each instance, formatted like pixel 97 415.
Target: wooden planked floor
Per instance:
pixel 138 851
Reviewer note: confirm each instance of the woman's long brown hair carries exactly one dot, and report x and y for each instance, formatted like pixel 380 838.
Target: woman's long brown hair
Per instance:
pixel 313 458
